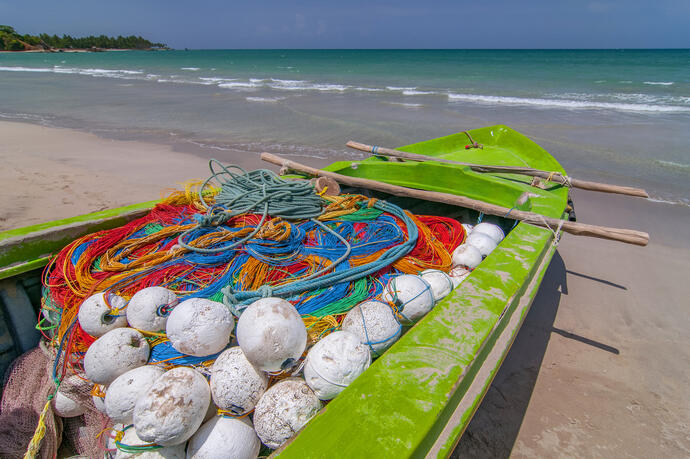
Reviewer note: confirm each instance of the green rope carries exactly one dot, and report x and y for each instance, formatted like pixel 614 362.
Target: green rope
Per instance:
pixel 363 214
pixel 152 228
pixel 134 449
pixel 359 292
pixel 245 192
pixel 260 191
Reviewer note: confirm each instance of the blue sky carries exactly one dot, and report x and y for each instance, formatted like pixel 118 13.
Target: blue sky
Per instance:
pixel 366 24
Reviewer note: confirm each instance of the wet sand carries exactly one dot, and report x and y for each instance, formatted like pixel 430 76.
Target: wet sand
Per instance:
pixel 600 367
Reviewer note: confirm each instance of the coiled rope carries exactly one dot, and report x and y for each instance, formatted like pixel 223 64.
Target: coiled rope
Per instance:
pixel 256 191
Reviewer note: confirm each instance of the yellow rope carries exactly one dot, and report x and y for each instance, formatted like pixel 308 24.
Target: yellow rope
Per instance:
pixel 35 444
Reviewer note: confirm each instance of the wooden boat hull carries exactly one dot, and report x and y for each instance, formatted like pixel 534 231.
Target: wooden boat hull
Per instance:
pixel 417 399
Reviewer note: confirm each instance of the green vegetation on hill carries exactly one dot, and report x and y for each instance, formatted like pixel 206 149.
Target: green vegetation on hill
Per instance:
pixel 10 40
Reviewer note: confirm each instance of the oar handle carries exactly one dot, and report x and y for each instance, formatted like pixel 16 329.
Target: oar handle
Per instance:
pixel 550 176
pixel 580 229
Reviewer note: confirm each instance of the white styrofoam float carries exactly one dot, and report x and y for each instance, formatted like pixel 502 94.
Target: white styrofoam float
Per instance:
pixel 375 324
pixel 485 244
pixel 66 407
pixel 334 362
pixel 126 389
pixel 492 230
pixel 146 310
pixel 236 385
pixel 94 314
pixel 199 327
pixel 440 282
pixel 467 256
pixel 173 408
pixel 411 293
pixel 283 410
pixel 115 353
pixel 99 401
pixel 271 334
pixel 222 438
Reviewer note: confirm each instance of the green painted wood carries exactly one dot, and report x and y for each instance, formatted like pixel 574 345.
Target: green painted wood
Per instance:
pixel 21 268
pixel 502 146
pixel 403 401
pixel 489 363
pixel 31 247
pixel 103 214
pixel 406 404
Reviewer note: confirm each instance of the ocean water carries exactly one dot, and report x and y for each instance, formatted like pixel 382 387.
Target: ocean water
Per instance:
pixel 621 116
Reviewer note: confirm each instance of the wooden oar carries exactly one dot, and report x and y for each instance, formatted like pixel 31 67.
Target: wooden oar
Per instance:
pixel 550 176
pixel 580 229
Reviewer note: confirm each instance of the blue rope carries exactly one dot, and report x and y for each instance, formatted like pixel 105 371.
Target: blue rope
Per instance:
pixel 238 300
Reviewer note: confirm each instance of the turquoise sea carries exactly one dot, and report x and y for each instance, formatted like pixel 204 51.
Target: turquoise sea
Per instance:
pixel 621 116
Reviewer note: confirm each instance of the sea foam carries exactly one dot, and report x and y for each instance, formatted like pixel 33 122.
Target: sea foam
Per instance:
pixel 564 103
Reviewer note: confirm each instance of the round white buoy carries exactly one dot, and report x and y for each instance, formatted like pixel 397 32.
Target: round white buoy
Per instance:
pixel 222 438
pixel 130 438
pixel 65 407
pixel 468 227
pixel 173 408
pixel 467 255
pixel 492 230
pixel 271 334
pixel 411 293
pixel 126 389
pixel 482 242
pixel 115 353
pixel 94 314
pixel 236 385
pixel 283 410
pixel 375 324
pixel 149 308
pixel 99 401
pixel 440 282
pixel 458 274
pixel 199 327
pixel 334 362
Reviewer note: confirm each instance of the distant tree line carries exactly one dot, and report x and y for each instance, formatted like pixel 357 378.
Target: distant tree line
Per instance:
pixel 10 40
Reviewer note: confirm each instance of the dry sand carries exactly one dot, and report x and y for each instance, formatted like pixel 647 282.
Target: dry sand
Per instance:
pixel 600 368
pixel 601 365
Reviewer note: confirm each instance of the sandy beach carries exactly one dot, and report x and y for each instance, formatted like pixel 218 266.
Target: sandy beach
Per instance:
pixel 600 367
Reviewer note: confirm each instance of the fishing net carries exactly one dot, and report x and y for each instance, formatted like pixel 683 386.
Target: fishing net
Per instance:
pixel 253 235
pixel 26 388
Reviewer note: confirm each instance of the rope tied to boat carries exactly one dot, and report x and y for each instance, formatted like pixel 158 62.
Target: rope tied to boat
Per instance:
pixel 473 143
pixel 566 180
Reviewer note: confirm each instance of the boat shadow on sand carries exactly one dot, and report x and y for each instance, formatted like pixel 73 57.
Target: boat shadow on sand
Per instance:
pixel 494 429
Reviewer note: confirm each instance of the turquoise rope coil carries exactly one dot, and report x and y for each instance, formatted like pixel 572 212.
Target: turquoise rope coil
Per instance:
pixel 237 301
pixel 265 192
pixel 260 191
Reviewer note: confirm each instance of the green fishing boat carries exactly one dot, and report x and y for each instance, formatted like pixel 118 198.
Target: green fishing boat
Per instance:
pixel 416 399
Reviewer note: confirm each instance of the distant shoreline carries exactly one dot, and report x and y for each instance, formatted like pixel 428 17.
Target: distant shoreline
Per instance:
pixel 82 50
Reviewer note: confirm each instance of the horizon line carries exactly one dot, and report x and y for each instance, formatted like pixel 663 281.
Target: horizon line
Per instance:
pixel 430 49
